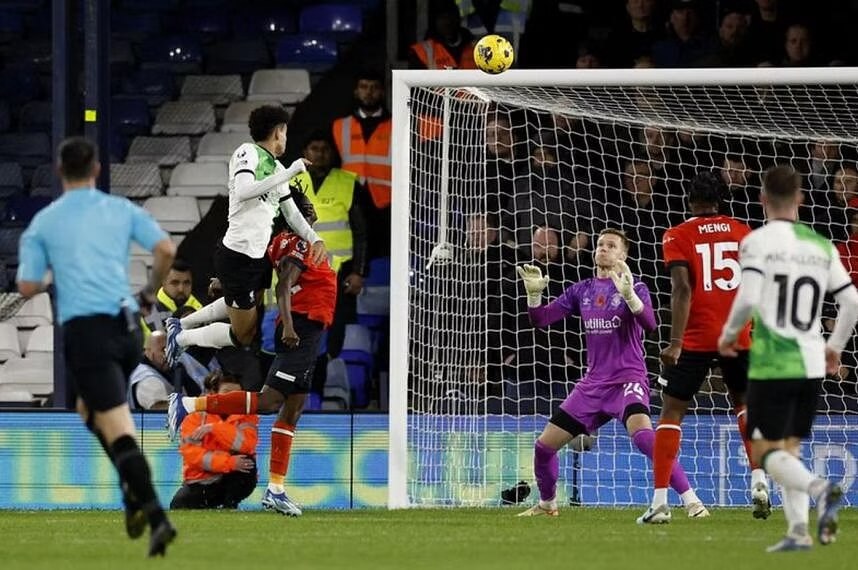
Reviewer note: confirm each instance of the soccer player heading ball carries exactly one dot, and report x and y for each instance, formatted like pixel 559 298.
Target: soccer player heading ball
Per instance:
pixel 615 311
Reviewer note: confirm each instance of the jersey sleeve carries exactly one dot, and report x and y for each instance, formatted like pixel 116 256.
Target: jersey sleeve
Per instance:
pixel 673 248
pixel 838 277
pixel 245 159
pixel 751 256
pixel 32 255
pixel 144 229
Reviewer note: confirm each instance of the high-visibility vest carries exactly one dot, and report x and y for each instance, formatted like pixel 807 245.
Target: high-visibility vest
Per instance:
pixel 165 307
pixel 434 55
pixel 369 160
pixel 332 203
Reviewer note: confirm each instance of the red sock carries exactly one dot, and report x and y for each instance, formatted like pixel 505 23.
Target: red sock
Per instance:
pixel 742 420
pixel 238 402
pixel 281 447
pixel 667 437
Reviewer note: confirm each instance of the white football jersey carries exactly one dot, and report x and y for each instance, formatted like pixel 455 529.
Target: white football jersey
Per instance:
pixel 799 267
pixel 250 221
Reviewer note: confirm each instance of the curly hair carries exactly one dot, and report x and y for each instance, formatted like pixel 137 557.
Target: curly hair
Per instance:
pixel 263 120
pixel 706 188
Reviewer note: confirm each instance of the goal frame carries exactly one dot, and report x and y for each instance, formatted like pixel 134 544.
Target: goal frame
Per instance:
pixel 402 83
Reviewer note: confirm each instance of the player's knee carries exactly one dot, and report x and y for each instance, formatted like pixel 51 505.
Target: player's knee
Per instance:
pixel 270 401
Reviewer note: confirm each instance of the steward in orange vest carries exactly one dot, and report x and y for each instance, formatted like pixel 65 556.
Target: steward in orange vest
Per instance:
pixel 448 45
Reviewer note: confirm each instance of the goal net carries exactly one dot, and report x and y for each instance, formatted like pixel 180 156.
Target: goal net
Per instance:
pixel 527 167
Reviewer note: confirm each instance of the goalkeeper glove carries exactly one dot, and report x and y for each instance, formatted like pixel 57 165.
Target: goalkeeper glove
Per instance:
pixel 534 283
pixel 621 275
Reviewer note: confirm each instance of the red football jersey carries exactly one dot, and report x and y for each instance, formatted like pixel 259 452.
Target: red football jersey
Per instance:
pixel 709 247
pixel 315 294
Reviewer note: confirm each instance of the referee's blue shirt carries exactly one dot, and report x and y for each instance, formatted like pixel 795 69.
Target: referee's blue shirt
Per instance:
pixel 84 238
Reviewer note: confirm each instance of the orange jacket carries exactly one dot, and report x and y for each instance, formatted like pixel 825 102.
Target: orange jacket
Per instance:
pixel 434 55
pixel 849 256
pixel 370 160
pixel 205 460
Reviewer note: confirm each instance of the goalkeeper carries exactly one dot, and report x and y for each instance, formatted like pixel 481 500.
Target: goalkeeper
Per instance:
pixel 615 311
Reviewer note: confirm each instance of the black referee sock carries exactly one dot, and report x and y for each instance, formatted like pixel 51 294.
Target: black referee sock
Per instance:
pixel 134 470
pixel 127 497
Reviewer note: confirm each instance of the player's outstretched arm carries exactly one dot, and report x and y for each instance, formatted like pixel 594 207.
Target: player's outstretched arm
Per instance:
pixel 300 226
pixel 636 296
pixel 543 315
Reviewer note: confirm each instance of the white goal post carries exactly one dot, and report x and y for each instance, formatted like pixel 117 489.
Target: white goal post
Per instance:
pixel 493 170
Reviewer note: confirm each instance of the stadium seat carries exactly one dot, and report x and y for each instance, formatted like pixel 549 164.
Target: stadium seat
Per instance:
pixel 20 85
pixel 337 389
pixel 177 54
pixel 29 150
pixel 163 151
pixel 36 311
pixel 14 397
pixel 11 179
pixel 41 343
pixel 34 375
pixel 156 86
pixel 136 180
pixel 11 26
pixel 357 346
pixel 237 114
pixel 9 347
pixel 313 52
pixel 373 303
pixel 21 209
pixel 184 118
pixel 134 27
pixel 36 117
pixel 118 146
pixel 243 57
pixel 42 183
pixel 176 214
pixel 137 252
pixel 215 89
pixel 218 147
pixel 5 119
pixel 327 18
pixel 121 58
pixel 9 238
pixel 313 403
pixel 268 23
pixel 130 115
pixel 289 86
pixel 138 274
pixel 359 382
pixel 205 204
pixel 199 179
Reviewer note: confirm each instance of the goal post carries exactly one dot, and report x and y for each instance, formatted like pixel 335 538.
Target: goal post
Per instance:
pixel 490 171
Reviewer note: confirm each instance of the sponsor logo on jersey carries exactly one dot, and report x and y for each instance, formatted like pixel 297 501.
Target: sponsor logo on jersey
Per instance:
pixel 601 325
pixel 585 301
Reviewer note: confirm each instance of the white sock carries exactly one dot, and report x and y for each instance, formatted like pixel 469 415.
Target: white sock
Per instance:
pixel 758 476
pixel 788 470
pixel 796 510
pixel 659 497
pixel 548 505
pixel 275 488
pixel 214 311
pixel 689 497
pixel 189 404
pixel 214 335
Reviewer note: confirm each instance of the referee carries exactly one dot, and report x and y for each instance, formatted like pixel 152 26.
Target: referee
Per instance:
pixel 83 237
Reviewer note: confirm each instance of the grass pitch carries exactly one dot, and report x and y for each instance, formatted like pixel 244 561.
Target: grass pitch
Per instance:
pixel 581 538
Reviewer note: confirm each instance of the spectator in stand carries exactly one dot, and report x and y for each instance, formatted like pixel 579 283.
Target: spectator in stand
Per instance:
pixel 448 45
pixel 339 201
pixel 363 141
pixel 587 58
pixel 767 30
pixel 636 34
pixel 173 296
pixel 798 46
pixel 742 199
pixel 832 212
pixel 219 454
pixel 849 249
pixel 502 150
pixel 733 48
pixel 685 44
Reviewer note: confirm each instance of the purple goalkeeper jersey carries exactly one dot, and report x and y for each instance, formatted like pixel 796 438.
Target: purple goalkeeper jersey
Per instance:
pixel 614 335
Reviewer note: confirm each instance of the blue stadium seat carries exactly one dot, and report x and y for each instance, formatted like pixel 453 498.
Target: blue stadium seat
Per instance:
pixel 4 116
pixel 265 23
pixel 11 26
pixel 313 52
pixel 373 304
pixel 9 238
pixel 21 209
pixel 313 402
pixel 242 57
pixel 11 179
pixel 156 86
pixel 379 272
pixel 134 27
pixel 42 183
pixel 36 117
pixel 327 18
pixel 359 381
pixel 357 353
pixel 268 329
pixel 177 54
pixel 150 5
pixel 130 115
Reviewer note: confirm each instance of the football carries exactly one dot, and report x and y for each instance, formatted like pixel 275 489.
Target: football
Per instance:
pixel 493 54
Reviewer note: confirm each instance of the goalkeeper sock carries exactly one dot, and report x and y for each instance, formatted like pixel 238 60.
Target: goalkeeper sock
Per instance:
pixel 645 441
pixel 238 402
pixel 546 468
pixel 788 470
pixel 281 448
pixel 214 311
pixel 667 437
pixel 796 510
pixel 742 421
pixel 214 335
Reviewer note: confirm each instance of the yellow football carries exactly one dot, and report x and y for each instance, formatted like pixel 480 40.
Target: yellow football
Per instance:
pixel 493 54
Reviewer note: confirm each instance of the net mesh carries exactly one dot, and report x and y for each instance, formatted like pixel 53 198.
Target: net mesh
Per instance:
pixel 507 175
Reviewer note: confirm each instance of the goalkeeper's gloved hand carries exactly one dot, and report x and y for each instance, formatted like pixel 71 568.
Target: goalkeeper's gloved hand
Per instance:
pixel 621 275
pixel 534 283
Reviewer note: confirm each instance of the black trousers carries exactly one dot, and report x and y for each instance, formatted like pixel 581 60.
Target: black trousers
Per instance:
pixel 225 493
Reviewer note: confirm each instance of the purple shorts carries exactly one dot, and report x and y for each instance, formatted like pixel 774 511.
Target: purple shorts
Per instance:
pixel 596 404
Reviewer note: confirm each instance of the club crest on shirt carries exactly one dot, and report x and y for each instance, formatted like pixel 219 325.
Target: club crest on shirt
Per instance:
pixel 616 300
pixel 301 246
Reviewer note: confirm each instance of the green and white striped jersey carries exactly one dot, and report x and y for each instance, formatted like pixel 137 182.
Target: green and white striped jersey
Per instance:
pixel 798 266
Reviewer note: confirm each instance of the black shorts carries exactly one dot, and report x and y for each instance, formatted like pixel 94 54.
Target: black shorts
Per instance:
pixel 292 369
pixel 683 380
pixel 241 276
pixel 100 355
pixel 778 409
